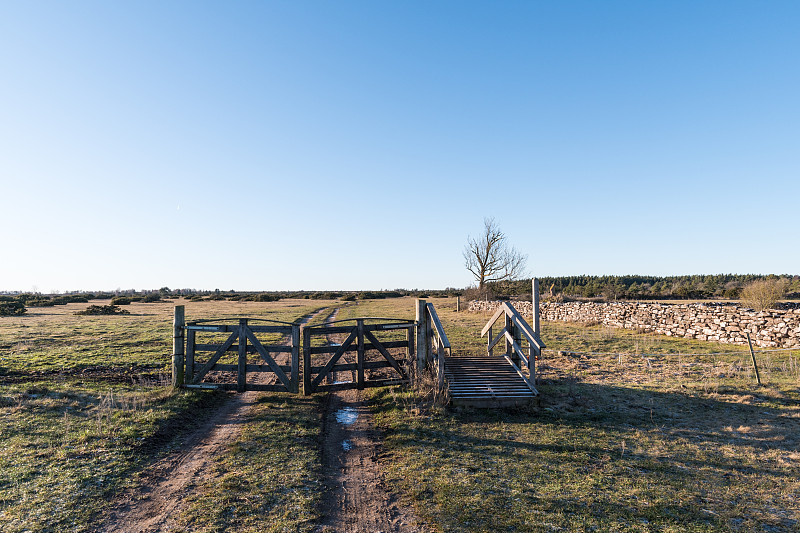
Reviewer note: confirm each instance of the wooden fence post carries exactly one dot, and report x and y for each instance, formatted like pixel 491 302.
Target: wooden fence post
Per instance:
pixel 241 380
pixel 360 362
pixel 535 301
pixel 178 324
pixel 306 361
pixel 422 332
pixel 458 304
pixel 295 359
pixel 753 355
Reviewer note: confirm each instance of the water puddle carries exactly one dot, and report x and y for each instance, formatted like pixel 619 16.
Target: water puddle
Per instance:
pixel 347 445
pixel 346 415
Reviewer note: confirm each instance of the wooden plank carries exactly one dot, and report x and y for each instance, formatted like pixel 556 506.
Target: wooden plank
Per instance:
pixel 536 327
pixel 178 360
pixel 346 344
pixel 217 328
pixel 384 353
pixel 500 310
pixel 306 361
pixel 437 324
pixel 241 378
pixel 387 327
pixel 367 384
pixel 495 341
pixel 345 367
pixel 250 349
pixel 360 360
pixel 367 346
pixel 421 332
pixel 190 340
pixel 214 358
pixel 328 330
pixel 250 368
pixel 295 372
pixel 283 330
pixel 269 360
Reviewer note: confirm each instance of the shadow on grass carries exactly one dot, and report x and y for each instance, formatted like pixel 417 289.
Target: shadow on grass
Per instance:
pixel 627 458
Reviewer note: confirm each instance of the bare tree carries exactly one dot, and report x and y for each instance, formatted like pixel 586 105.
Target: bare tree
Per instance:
pixel 764 294
pixel 490 258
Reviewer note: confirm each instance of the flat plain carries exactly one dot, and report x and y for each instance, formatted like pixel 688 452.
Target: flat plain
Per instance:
pixel 631 432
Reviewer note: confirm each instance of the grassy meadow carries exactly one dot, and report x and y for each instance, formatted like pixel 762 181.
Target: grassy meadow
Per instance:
pixel 631 432
pixel 85 407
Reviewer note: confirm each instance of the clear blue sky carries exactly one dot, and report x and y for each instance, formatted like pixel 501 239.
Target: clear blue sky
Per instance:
pixel 355 145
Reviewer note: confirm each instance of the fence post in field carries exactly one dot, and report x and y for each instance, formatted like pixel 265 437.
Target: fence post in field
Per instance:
pixel 177 345
pixel 753 356
pixel 422 332
pixel 458 304
pixel 535 302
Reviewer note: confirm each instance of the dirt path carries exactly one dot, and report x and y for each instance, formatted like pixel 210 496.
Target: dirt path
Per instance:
pixel 357 500
pixel 152 505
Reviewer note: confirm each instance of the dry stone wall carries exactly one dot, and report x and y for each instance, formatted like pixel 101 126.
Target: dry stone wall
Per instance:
pixel 713 322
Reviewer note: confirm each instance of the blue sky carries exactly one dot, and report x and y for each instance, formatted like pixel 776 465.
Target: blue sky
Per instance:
pixel 356 145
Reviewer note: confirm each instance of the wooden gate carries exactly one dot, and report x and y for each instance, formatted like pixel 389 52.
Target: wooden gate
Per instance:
pixel 230 345
pixel 370 340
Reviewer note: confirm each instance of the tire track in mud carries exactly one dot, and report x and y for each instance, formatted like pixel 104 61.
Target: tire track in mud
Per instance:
pixel 152 505
pixel 357 499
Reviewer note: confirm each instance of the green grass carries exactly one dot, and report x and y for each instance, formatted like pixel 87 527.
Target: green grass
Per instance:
pixel 67 448
pixel 85 406
pixel 270 478
pixel 630 434
pixel 631 442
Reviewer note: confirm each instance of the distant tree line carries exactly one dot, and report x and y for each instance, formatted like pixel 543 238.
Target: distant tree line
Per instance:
pixel 690 287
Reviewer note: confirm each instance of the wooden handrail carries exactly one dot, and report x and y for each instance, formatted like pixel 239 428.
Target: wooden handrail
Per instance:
pixel 442 342
pixel 517 325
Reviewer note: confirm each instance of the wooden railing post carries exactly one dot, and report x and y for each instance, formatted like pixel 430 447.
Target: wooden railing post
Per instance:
pixel 241 380
pixel 178 324
pixel 422 333
pixel 536 327
pixel 535 310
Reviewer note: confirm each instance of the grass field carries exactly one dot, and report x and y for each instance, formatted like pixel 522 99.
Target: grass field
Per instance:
pixel 633 433
pixel 638 436
pixel 85 407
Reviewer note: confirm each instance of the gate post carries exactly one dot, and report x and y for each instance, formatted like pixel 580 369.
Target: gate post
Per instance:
pixel 422 332
pixel 295 359
pixel 241 382
pixel 306 361
pixel 360 355
pixel 177 346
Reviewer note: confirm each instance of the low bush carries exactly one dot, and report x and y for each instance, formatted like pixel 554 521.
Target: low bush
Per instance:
pixel 103 310
pixel 11 307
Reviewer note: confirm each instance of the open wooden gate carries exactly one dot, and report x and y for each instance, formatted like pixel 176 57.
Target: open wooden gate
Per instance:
pixel 383 349
pixel 231 344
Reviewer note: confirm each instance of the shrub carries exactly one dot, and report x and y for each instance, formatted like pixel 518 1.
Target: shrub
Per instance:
pixel 103 310
pixel 11 307
pixel 265 297
pixel 124 300
pixel 764 294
